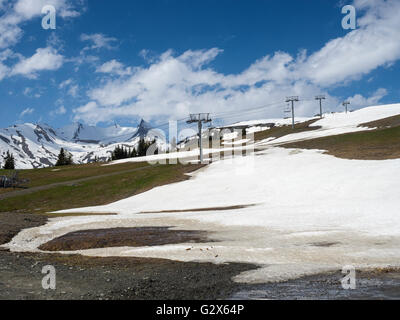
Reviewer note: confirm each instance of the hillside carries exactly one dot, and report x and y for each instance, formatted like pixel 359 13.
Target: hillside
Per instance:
pixel 379 144
pixel 38 145
pixel 292 212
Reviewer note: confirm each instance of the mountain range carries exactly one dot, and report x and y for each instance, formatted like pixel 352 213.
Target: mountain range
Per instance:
pixel 38 145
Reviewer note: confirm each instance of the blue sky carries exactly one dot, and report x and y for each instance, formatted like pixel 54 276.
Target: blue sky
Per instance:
pixel 161 59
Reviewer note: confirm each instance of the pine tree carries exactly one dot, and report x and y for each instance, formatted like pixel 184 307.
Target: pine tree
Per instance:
pixel 9 163
pixel 142 148
pixel 64 158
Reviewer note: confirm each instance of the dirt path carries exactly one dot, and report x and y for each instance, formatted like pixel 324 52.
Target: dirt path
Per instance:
pixel 66 183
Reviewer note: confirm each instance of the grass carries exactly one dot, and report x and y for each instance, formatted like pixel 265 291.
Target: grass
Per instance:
pixel 94 192
pixel 45 176
pixel 390 122
pixel 378 144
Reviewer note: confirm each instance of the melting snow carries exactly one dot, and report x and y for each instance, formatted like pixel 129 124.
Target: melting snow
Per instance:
pixel 309 212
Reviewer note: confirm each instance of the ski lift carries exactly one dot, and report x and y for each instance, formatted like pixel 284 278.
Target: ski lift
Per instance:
pixel 287 112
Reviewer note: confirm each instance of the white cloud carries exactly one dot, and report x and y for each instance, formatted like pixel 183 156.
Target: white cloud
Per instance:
pixel 375 43
pixel 114 67
pixel 29 9
pixel 4 70
pixel 98 41
pixel 43 59
pixel 358 101
pixel 65 83
pixel 29 92
pixel 59 111
pixel 172 86
pixel 20 11
pixel 26 112
pixel 73 90
pixel 72 87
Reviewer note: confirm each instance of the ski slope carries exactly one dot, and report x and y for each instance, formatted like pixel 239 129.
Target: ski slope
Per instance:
pixel 331 124
pixel 300 212
pixel 340 123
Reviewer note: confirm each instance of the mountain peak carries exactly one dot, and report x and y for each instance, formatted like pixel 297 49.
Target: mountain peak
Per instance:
pixel 143 129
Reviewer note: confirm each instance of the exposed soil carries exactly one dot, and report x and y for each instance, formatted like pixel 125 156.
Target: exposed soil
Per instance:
pixel 201 209
pixel 12 223
pixel 121 237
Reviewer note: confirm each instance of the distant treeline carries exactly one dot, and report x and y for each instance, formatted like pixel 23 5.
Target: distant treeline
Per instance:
pixel 121 152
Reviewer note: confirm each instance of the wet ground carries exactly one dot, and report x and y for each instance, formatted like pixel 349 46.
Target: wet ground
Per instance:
pixel 372 285
pixel 79 277
pixel 91 278
pixel 123 237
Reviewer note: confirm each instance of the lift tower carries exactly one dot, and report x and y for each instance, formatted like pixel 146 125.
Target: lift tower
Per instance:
pixel 320 98
pixel 200 118
pixel 292 100
pixel 345 104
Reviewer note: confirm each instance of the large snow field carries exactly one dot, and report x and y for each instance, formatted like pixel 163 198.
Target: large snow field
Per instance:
pixel 309 213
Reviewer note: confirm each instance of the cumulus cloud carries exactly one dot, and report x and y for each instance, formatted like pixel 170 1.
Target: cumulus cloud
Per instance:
pixel 43 59
pixel 358 100
pixel 373 44
pixel 114 67
pixel 174 85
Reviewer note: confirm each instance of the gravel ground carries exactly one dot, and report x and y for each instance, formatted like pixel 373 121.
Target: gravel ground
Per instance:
pixel 383 284
pixel 79 277
pixel 114 278
pixel 88 278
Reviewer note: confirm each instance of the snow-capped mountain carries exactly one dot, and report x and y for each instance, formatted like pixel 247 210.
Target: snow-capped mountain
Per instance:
pixel 38 145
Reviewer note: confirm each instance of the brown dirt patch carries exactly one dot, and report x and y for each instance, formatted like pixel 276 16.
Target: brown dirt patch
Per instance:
pixel 121 237
pixel 324 244
pixel 12 223
pixel 202 209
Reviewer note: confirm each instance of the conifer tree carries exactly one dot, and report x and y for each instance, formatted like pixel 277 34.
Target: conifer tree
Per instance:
pixel 9 163
pixel 64 158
